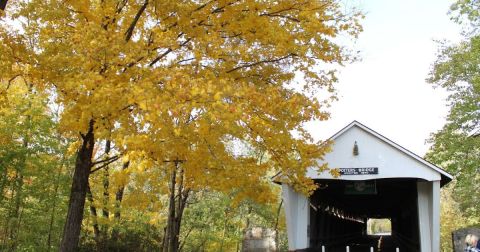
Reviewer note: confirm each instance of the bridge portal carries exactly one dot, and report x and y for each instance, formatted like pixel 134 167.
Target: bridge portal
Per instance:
pixel 379 180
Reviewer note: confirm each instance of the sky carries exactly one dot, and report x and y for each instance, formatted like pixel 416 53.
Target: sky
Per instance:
pixel 387 90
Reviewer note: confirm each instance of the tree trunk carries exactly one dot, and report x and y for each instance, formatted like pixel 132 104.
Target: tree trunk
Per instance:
pixel 168 246
pixel 3 4
pixel 9 209
pixel 164 240
pixel 54 204
pixel 2 189
pixel 249 211
pixel 177 203
pixel 119 195
pixel 3 180
pixel 106 182
pixel 118 203
pixel 225 222
pixel 106 196
pixel 76 204
pixel 16 212
pixel 182 202
pixel 93 213
pixel 276 225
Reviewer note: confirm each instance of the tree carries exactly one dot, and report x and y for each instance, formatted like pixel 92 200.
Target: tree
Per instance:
pixel 3 4
pixel 177 82
pixel 456 146
pixel 34 176
pixel 451 217
pixel 213 223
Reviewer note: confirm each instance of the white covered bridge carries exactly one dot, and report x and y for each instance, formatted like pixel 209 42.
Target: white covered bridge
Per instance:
pixel 380 180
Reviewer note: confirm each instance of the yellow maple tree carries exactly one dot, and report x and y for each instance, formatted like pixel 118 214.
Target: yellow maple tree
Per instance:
pixel 181 83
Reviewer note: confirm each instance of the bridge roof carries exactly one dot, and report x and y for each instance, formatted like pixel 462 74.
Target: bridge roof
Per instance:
pixel 384 157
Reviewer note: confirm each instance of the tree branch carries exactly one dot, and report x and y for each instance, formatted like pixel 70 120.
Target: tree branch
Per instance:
pixel 261 62
pixel 104 165
pixel 3 4
pixel 12 79
pixel 169 50
pixel 185 238
pixel 129 32
pixel 202 6
pixel 106 160
pixel 120 6
pixel 281 16
pixel 278 13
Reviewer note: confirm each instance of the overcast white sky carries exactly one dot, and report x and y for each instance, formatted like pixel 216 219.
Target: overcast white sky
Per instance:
pixel 387 91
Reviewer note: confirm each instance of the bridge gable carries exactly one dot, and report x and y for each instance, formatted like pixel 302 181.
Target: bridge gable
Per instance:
pixel 385 158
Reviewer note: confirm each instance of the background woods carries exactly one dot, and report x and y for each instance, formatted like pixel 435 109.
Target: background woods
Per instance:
pixel 35 170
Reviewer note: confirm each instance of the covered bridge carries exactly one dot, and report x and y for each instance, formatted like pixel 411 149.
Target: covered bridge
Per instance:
pixel 379 180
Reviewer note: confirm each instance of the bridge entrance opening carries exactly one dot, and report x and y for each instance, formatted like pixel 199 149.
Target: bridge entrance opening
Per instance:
pixel 344 213
pixel 379 227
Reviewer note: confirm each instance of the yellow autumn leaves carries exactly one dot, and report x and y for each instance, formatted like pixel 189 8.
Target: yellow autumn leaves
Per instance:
pixel 193 78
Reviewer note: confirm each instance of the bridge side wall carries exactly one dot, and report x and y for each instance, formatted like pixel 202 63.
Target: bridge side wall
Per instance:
pixel 429 215
pixel 297 212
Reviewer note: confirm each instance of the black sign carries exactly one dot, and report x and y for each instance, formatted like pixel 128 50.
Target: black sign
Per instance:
pixel 359 171
pixel 368 187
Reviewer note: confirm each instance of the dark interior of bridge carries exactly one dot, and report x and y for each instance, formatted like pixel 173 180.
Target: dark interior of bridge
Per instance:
pixel 340 209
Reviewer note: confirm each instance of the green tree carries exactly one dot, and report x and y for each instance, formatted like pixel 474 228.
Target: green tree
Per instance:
pixel 456 147
pixel 213 222
pixel 452 218
pixel 33 167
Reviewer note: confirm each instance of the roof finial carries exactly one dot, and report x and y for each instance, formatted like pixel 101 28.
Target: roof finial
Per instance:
pixel 355 149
